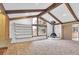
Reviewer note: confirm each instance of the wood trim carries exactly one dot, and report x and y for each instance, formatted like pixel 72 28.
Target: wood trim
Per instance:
pixel 42 35
pixel 3 50
pixel 54 17
pixel 37 26
pixel 57 23
pixel 23 11
pixel 23 17
pixel 67 22
pixel 53 6
pixel 71 11
pixel 62 32
pixel 45 20
pixel 70 22
pixel 32 28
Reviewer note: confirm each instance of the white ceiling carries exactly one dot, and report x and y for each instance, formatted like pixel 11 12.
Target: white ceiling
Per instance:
pixel 49 18
pixel 16 6
pixel 75 7
pixel 62 13
pixel 22 14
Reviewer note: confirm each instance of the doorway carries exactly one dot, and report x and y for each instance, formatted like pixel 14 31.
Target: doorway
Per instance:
pixel 75 32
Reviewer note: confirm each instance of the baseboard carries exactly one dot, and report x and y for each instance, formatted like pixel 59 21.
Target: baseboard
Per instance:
pixel 3 50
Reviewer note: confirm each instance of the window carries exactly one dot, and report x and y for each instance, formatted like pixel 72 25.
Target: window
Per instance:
pixel 75 29
pixel 34 21
pixel 41 22
pixel 39 28
pixel 34 30
pixel 42 30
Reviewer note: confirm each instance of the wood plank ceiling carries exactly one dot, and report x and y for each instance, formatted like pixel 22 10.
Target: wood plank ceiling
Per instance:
pixel 42 12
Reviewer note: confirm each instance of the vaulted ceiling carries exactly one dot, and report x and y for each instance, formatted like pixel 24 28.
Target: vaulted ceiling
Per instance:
pixel 58 12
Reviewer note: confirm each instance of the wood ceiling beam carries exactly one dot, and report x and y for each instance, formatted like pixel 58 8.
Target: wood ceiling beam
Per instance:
pixel 23 11
pixel 66 22
pixel 70 22
pixel 45 20
pixel 23 17
pixel 54 17
pixel 71 11
pixel 53 6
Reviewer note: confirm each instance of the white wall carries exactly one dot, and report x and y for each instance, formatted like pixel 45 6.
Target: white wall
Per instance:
pixel 22 21
pixel 49 29
pixel 57 30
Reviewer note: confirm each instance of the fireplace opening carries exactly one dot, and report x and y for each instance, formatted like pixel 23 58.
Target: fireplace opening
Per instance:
pixel 53 35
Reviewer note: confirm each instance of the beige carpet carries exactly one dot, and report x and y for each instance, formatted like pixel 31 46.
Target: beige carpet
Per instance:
pixel 45 47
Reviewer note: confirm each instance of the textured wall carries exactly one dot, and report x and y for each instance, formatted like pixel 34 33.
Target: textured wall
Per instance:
pixel 4 31
pixel 3 23
pixel 49 29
